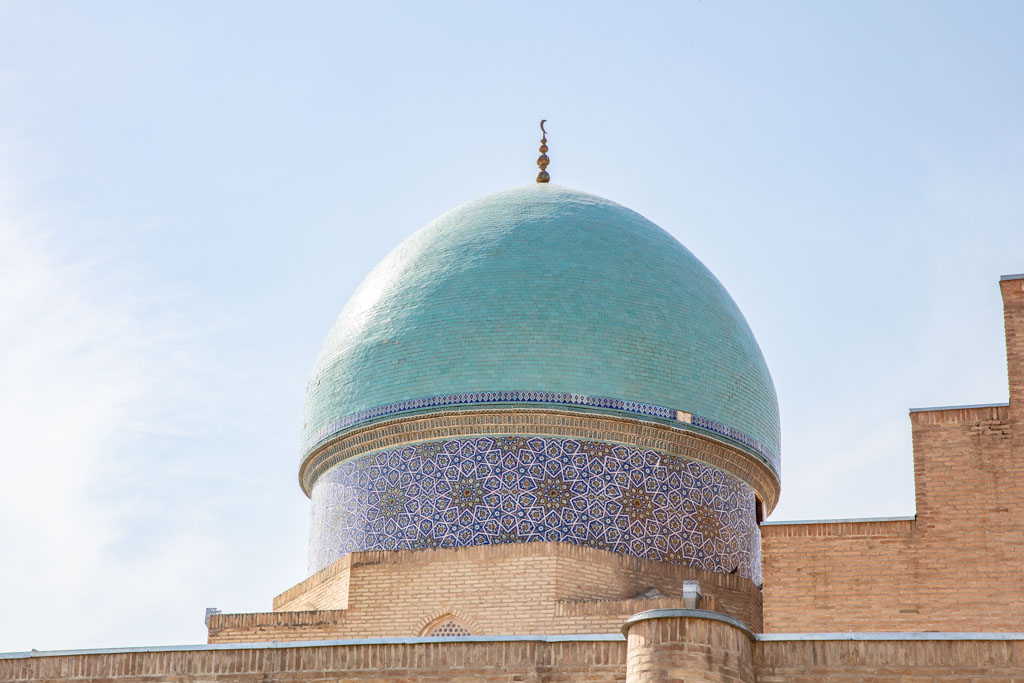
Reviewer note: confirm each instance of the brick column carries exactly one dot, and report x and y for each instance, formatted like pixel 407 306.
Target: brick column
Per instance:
pixel 690 645
pixel 1012 287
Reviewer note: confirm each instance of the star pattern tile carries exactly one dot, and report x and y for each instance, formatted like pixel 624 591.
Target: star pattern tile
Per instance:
pixel 488 490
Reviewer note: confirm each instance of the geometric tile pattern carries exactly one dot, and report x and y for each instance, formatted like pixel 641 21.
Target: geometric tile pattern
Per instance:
pixel 516 489
pixel 483 397
pixel 450 628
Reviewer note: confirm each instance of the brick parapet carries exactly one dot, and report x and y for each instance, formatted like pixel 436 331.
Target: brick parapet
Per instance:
pixel 314 587
pixel 497 660
pixel 998 412
pixel 265 626
pixel 895 527
pixel 840 658
pixel 628 607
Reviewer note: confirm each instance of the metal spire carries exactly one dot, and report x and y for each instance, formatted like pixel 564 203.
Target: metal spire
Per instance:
pixel 542 160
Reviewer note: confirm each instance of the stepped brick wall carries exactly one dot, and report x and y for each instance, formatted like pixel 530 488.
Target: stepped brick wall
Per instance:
pixel 959 566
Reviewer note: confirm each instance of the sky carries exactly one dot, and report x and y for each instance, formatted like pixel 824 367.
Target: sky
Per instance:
pixel 190 191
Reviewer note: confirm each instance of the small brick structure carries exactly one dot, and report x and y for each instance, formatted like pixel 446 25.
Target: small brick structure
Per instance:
pixel 687 645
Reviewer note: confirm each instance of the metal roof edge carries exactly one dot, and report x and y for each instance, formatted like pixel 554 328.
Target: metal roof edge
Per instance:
pixel 891 636
pixel 964 407
pixel 841 521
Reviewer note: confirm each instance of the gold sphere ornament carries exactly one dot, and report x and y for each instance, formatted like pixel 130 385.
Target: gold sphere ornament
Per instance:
pixel 542 160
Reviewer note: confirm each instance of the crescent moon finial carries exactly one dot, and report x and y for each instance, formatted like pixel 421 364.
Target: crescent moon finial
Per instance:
pixel 542 160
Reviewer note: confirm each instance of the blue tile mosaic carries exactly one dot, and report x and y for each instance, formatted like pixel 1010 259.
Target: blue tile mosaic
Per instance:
pixel 489 490
pixel 539 397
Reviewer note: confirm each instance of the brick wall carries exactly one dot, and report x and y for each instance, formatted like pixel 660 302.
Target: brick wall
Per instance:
pixel 596 662
pixel 528 588
pixel 958 567
pixel 838 661
pixel 846 661
pixel 326 589
pixel 1013 321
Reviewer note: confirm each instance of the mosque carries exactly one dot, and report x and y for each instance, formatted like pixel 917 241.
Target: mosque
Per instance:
pixel 540 444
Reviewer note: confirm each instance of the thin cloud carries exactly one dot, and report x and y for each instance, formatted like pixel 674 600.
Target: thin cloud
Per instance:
pixel 89 369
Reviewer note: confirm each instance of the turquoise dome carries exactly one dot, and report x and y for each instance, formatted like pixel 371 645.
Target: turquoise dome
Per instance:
pixel 544 294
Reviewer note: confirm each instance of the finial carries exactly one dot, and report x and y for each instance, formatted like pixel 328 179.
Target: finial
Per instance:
pixel 543 160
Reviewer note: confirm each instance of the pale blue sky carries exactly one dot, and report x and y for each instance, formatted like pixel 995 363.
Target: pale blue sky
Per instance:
pixel 189 192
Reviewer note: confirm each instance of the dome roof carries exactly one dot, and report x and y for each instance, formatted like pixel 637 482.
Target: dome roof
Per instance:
pixel 544 294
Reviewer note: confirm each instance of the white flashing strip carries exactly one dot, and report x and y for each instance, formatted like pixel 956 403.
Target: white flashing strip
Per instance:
pixel 965 407
pixel 577 638
pixel 1017 276
pixel 841 521
pixel 894 635
pixel 279 644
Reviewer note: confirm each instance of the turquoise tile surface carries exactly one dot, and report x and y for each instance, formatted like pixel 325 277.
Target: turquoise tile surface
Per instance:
pixel 544 288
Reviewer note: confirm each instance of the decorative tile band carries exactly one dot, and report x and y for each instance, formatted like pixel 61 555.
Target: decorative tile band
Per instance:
pixel 542 421
pixel 492 490
pixel 486 397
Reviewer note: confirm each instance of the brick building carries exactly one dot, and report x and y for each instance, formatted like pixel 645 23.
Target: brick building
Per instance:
pixel 540 443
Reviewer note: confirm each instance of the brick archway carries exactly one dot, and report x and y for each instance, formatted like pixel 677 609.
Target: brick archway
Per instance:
pixel 448 622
